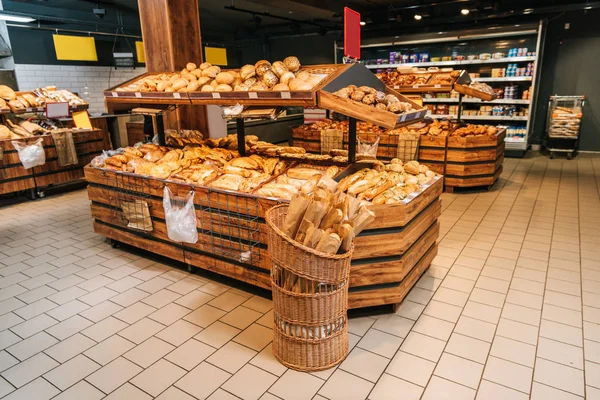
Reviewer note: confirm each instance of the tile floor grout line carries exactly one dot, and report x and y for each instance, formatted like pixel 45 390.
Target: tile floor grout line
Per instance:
pixel 454 327
pixel 513 273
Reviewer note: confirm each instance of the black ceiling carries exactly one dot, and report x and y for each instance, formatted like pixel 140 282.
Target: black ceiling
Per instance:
pixel 243 19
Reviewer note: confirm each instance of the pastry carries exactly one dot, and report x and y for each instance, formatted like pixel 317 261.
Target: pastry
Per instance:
pixel 224 77
pixel 270 78
pixel 223 88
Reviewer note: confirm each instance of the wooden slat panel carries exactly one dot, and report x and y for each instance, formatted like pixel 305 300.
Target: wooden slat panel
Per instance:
pixel 433 141
pixel 473 181
pixel 455 170
pixel 431 154
pixel 469 142
pixel 395 243
pixel 392 295
pixel 394 270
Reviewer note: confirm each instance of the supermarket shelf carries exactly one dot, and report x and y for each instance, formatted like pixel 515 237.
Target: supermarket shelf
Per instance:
pixel 515 145
pixel 497 101
pixel 505 79
pixel 481 117
pixel 447 63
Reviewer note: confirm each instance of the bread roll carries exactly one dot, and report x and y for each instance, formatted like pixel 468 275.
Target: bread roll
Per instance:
pixel 211 72
pixel 235 74
pixel 214 84
pixel 223 88
pixel 190 66
pixel 304 86
pixel 256 64
pixel 304 75
pixel 179 83
pixel 241 88
pixel 250 81
pixel 247 71
pixel 207 88
pixel 162 85
pixel 169 89
pixel 189 77
pixel 205 80
pixel 270 78
pixel 205 65
pixel 258 87
pixel 286 77
pixel 197 73
pixel 174 78
pixel 295 83
pixel 292 63
pixel 281 87
pixel 262 67
pixel 279 68
pixel 224 77
pixel 314 80
pixel 192 86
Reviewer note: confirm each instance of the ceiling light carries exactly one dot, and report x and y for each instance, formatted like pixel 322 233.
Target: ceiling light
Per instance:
pixel 418 17
pixel 362 23
pixel 14 18
pixel 528 11
pixel 465 11
pixel 587 8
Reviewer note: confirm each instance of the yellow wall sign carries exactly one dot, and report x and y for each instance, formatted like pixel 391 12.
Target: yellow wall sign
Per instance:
pixel 139 50
pixel 75 48
pixel 215 55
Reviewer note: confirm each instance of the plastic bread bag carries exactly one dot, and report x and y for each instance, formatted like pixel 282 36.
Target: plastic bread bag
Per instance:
pixel 98 161
pixel 180 217
pixel 30 155
pixel 367 150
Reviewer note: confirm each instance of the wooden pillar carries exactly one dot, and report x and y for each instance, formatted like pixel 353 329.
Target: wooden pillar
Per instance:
pixel 171 35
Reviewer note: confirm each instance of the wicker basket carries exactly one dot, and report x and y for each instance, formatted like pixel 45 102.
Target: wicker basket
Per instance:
pixel 301 260
pixel 311 325
pixel 310 354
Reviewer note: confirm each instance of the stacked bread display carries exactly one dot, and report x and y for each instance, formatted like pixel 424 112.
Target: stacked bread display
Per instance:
pixel 36 98
pixel 374 98
pixel 280 76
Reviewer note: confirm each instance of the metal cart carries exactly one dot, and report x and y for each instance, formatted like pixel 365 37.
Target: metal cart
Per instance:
pixel 563 124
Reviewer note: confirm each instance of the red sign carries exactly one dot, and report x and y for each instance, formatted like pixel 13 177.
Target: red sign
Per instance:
pixel 351 33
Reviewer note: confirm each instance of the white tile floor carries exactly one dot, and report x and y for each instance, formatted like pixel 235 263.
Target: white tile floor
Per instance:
pixel 510 309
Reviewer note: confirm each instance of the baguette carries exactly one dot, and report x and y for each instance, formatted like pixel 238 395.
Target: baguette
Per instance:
pixel 296 210
pixel 361 186
pixel 310 184
pixel 303 173
pixel 329 243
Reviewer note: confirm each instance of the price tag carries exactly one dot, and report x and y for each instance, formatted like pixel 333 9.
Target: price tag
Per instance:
pixel 437 86
pixel 29 109
pixel 138 95
pixel 253 95
pixel 396 87
pixel 57 110
pixel 177 95
pixel 415 86
pixel 114 94
pixel 286 95
pixel 216 95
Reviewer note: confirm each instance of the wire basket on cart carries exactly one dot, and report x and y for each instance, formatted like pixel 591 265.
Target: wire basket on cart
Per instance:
pixel 310 300
pixel 564 124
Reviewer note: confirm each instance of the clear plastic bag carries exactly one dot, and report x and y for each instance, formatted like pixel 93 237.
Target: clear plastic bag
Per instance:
pixel 98 161
pixel 366 150
pixel 30 155
pixel 180 217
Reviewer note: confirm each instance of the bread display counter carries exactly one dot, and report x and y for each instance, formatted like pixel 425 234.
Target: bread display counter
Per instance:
pixel 231 195
pixel 15 178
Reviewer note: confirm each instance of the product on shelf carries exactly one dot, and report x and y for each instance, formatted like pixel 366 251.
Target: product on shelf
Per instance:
pixel 183 137
pixel 19 129
pixel 285 75
pixel 389 186
pixel 474 130
pixel 565 121
pixel 374 98
pixel 395 78
pixel 36 98
pixel 361 127
pixel 435 128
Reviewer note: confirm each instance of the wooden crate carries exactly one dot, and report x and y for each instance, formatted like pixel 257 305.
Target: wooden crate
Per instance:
pixel 474 160
pixel 432 152
pixel 392 253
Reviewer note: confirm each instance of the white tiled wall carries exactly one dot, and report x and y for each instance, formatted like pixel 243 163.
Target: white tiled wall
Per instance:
pixel 76 79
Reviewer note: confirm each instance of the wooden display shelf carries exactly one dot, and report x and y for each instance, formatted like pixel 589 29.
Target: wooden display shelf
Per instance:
pixel 389 256
pixel 25 110
pixel 15 178
pixel 261 98
pixel 432 152
pixel 431 87
pixel 469 91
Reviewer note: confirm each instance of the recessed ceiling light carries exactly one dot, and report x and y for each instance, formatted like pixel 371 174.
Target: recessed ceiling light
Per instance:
pixel 14 18
pixel 465 11
pixel 418 17
pixel 587 8
pixel 362 23
pixel 528 11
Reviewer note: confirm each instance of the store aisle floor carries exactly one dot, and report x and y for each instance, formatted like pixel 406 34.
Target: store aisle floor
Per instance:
pixel 510 309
